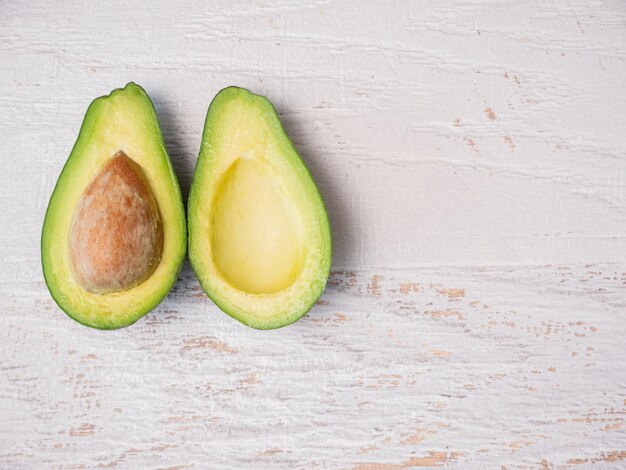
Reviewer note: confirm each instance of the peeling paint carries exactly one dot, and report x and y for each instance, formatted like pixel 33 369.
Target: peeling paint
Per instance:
pixel 206 342
pixel 615 456
pixel 374 286
pixel 83 430
pixel 433 459
pixel 408 287
pixel 270 452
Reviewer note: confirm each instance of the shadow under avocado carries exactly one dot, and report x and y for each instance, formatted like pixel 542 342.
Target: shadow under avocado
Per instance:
pixel 177 142
pixel 329 184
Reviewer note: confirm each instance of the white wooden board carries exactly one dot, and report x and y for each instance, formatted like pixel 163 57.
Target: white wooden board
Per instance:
pixel 472 155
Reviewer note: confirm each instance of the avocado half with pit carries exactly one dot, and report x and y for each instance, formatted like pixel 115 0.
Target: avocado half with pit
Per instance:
pixel 259 237
pixel 114 235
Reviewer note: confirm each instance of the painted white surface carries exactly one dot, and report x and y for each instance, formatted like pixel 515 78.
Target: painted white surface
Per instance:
pixel 472 155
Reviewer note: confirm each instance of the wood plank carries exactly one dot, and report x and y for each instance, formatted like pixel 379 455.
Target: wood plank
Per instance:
pixel 471 155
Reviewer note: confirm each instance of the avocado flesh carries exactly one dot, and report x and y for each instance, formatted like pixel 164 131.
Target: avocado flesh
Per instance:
pixel 259 236
pixel 123 122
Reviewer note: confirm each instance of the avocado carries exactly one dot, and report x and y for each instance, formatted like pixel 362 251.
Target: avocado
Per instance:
pixel 259 236
pixel 114 235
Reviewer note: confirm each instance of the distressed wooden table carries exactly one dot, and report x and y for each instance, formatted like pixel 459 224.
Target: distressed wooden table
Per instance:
pixel 473 159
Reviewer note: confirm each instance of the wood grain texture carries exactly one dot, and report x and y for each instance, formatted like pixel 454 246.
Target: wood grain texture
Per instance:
pixel 472 155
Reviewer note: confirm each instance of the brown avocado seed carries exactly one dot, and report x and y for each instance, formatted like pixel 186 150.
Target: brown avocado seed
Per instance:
pixel 116 236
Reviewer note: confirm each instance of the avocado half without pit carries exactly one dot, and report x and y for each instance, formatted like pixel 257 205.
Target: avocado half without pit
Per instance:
pixel 114 235
pixel 259 236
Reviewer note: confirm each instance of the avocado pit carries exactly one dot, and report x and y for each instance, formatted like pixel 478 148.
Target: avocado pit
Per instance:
pixel 116 235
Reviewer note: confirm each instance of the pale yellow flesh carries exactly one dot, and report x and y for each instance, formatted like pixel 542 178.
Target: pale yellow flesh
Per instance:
pixel 257 239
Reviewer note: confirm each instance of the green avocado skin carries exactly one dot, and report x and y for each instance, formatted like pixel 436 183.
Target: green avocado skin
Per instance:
pixel 57 282
pixel 316 285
